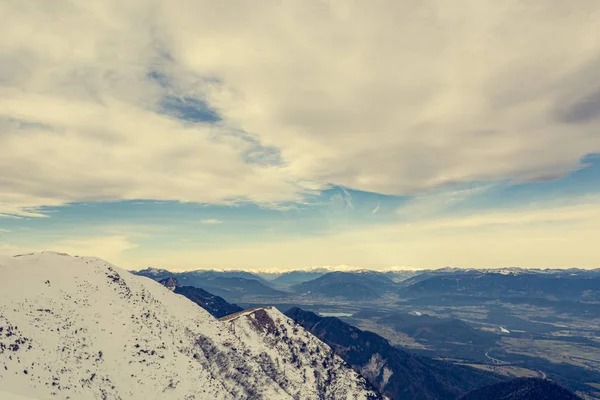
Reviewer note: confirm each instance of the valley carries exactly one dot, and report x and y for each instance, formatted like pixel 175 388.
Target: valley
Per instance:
pixel 342 337
pixel 516 334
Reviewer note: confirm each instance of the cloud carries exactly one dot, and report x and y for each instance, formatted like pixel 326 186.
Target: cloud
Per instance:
pixel 434 203
pixel 515 218
pixel 551 236
pixel 211 221
pixel 198 102
pixel 376 208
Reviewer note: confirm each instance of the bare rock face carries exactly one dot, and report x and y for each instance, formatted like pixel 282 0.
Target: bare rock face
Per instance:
pixel 169 283
pixel 81 328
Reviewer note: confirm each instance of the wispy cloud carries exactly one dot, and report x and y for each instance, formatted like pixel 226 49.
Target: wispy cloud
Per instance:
pixel 211 221
pixel 434 203
pixel 376 208
pixel 514 218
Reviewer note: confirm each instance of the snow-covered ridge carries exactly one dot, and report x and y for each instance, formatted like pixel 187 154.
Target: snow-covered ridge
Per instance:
pixel 81 328
pixel 313 370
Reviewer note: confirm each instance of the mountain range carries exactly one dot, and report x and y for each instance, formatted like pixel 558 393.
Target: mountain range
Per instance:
pixel 360 285
pixel 231 285
pixel 572 286
pixel 81 328
pixel 356 285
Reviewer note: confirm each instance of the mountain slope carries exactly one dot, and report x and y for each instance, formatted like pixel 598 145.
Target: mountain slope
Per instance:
pixel 231 285
pixel 431 329
pixel 522 389
pixel 290 345
pixel 356 285
pixel 394 372
pixel 503 285
pixel 290 278
pixel 81 328
pixel 159 274
pixel 215 305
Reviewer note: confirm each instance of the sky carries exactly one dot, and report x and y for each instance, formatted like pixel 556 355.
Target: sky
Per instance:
pixel 277 135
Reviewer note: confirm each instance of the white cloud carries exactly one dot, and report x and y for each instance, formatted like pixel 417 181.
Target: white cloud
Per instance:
pixel 428 205
pixel 394 97
pixel 211 221
pixel 376 209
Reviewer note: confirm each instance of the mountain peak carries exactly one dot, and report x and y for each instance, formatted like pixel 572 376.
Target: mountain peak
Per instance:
pixel 83 328
pixel 290 344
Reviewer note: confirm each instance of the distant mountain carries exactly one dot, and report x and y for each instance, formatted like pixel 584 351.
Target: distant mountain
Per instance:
pixel 81 328
pixel 233 288
pixel 424 275
pixel 268 275
pixel 215 305
pixel 498 285
pixel 231 285
pixel 522 389
pixel 158 274
pixel 356 285
pixel 296 277
pixel 400 276
pixel 394 372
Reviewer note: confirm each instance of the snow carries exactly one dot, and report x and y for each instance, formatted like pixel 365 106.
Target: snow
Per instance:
pixel 11 396
pixel 377 367
pixel 81 328
pixel 310 367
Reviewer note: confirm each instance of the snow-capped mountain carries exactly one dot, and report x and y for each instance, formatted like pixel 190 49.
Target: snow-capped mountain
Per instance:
pixel 81 328
pixel 310 368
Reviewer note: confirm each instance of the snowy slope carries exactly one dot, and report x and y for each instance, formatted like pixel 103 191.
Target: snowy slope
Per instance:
pixel 310 368
pixel 81 328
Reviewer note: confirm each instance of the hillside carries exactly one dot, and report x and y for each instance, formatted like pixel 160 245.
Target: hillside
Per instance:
pixel 287 279
pixel 201 274
pixel 215 305
pixel 522 389
pixel 356 285
pixel 394 372
pixel 503 285
pixel 430 329
pixel 287 343
pixel 81 328
pixel 230 285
